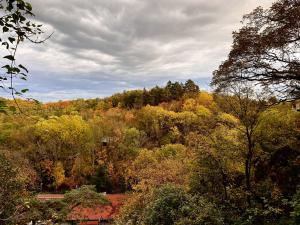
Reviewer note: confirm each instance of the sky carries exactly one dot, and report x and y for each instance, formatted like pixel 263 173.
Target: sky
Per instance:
pixel 100 47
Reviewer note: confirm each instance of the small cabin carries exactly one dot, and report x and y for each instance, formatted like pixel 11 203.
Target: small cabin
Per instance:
pixel 106 140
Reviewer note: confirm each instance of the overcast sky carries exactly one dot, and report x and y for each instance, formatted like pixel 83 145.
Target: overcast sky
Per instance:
pixel 100 47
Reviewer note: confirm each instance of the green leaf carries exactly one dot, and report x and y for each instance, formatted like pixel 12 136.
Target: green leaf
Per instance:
pixel 15 70
pixel 24 90
pixel 28 6
pixel 9 57
pixel 23 67
pixel 5 29
pixel 5 43
pixel 22 19
pixel 6 67
pixel 11 39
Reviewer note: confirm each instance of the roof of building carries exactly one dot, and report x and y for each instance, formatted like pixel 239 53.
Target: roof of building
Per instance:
pixel 46 197
pixel 101 212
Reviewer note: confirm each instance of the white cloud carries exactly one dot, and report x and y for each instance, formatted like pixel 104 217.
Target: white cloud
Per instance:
pixel 132 41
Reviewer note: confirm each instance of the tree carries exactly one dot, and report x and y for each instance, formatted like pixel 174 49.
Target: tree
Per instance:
pixel 101 180
pixel 157 95
pixel 266 51
pixel 169 164
pixel 45 211
pixel 11 192
pixel 168 205
pixel 85 196
pixel 16 27
pixel 59 174
pixel 155 122
pixel 190 87
pixel 175 90
pixel 133 99
pixel 220 161
pixel 204 98
pixel 247 106
pixel 278 128
pixel 67 139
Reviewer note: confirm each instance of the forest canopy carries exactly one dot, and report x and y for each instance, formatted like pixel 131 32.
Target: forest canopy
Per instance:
pixel 190 157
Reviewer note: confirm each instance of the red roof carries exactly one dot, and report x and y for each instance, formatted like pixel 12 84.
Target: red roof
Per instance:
pixel 101 212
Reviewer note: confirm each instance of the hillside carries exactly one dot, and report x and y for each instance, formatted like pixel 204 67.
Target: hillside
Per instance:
pixel 213 151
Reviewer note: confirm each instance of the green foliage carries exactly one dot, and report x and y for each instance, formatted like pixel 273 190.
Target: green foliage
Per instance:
pixel 166 206
pixel 101 180
pixel 36 210
pixel 169 205
pixel 129 147
pixel 85 196
pixel 296 207
pixel 281 121
pixel 11 192
pixel 2 106
pixel 155 96
pixel 191 88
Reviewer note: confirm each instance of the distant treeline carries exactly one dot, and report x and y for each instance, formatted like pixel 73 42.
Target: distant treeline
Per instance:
pixel 154 96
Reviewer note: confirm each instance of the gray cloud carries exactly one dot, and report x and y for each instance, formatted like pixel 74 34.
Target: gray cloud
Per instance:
pixel 103 46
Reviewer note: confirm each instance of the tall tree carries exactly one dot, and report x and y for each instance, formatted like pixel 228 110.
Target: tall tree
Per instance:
pixel 246 105
pixel 266 51
pixel 190 87
pixel 175 90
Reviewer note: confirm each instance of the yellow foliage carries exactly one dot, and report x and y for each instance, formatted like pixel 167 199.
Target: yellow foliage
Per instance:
pixel 59 173
pixel 203 111
pixel 187 118
pixel 204 98
pixel 103 106
pixel 228 118
pixel 189 104
pixel 66 127
pixel 279 126
pixel 169 164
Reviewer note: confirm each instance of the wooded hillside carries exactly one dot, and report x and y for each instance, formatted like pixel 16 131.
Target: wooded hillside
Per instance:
pixel 184 156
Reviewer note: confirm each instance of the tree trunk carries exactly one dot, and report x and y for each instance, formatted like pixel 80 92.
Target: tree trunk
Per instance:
pixel 248 164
